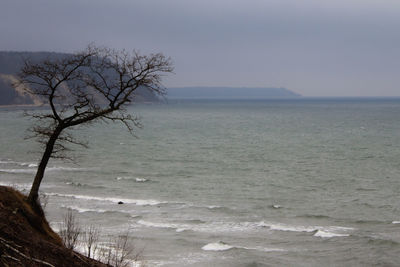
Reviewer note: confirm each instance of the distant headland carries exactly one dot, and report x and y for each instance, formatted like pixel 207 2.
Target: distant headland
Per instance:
pixel 230 93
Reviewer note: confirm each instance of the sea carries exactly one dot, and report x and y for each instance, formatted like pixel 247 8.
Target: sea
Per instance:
pixel 291 182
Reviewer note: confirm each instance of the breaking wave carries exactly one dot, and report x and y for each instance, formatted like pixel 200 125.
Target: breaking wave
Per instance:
pixel 139 202
pixel 60 168
pixel 218 246
pixel 320 231
pixel 18 170
pixel 218 227
pixel 30 165
pixel 84 210
pixel 326 234
pixel 222 246
pixel 31 169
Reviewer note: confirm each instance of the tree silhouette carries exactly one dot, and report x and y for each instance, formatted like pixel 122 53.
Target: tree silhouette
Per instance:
pixel 85 87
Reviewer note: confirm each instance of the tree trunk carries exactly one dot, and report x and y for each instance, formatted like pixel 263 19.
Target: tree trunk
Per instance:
pixel 34 193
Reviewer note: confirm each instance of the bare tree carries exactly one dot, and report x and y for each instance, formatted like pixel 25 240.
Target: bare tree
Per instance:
pixel 88 86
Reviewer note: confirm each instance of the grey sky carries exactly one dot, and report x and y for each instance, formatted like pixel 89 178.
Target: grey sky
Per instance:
pixel 314 47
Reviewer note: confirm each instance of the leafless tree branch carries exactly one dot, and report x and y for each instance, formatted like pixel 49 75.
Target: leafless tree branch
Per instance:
pixel 89 86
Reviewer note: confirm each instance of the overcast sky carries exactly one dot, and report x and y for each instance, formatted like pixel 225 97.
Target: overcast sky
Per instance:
pixel 313 47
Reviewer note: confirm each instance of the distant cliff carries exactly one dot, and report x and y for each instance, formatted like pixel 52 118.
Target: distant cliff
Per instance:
pixel 11 63
pixel 229 93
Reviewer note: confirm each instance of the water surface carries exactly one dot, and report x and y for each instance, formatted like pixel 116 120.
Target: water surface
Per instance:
pixel 305 182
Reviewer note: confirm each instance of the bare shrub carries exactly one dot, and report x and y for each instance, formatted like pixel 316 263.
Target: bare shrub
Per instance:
pixel 90 239
pixel 122 251
pixel 69 230
pixel 119 252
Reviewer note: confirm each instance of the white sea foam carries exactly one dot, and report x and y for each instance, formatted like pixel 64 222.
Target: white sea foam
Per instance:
pixel 7 161
pixel 119 178
pixel 25 186
pixel 139 180
pixel 61 168
pixel 320 231
pixel 139 202
pixel 18 170
pixel 162 225
pixel 82 210
pixel 289 228
pixel 32 170
pixel 211 227
pixel 29 164
pixel 214 207
pixel 222 246
pixel 326 234
pixel 218 246
pixel 20 186
pixel 34 165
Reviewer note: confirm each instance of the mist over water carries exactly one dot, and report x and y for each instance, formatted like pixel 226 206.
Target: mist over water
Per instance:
pixel 233 183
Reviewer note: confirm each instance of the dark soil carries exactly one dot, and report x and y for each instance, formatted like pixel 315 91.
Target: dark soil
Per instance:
pixel 26 238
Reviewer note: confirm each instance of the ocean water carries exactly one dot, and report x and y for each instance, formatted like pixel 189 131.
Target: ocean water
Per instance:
pixel 307 182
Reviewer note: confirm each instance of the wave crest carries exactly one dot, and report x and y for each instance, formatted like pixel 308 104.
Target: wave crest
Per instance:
pixel 139 202
pixel 222 246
